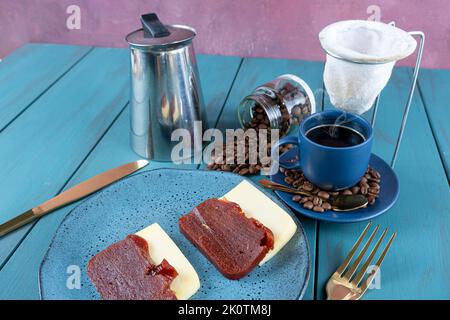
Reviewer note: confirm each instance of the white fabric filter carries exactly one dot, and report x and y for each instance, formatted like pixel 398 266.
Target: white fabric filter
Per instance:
pixel 375 46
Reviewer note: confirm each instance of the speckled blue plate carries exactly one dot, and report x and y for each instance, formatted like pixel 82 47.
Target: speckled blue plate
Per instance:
pixel 162 196
pixel 389 190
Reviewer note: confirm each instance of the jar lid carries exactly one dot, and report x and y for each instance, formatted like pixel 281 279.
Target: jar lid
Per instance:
pixel 154 34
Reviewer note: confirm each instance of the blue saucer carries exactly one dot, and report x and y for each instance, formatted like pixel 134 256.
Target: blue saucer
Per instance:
pixel 389 190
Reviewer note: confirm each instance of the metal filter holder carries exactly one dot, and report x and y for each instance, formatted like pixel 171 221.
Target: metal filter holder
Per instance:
pixel 421 35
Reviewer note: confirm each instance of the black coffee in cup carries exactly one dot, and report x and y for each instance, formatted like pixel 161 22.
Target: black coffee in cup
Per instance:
pixel 336 136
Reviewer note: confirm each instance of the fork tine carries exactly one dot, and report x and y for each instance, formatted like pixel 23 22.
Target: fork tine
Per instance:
pixel 350 255
pixel 357 261
pixel 365 285
pixel 366 264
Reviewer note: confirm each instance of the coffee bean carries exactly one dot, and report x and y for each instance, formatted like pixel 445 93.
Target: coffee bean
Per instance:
pixel 376 174
pixel 355 189
pixel 364 185
pixel 318 209
pixel 315 191
pixel 243 171
pixel 307 186
pixel 346 192
pixel 364 190
pixel 297 183
pixel 305 199
pixel 226 167
pixel 288 180
pixel 326 206
pixel 317 201
pixel 374 185
pixel 308 205
pixel 262 126
pixel 374 190
pixel 323 194
pixel 296 198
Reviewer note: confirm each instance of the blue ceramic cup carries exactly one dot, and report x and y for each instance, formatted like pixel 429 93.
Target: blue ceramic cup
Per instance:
pixel 331 167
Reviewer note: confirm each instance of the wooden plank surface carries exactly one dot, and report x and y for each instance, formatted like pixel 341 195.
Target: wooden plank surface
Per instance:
pixel 417 266
pixel 19 277
pixel 75 126
pixel 255 72
pixel 29 71
pixel 434 87
pixel 44 146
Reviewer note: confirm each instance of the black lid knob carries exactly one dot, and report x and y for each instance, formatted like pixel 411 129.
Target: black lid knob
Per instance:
pixel 153 28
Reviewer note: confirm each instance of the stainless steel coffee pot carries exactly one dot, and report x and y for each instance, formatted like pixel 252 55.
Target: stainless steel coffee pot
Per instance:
pixel 165 88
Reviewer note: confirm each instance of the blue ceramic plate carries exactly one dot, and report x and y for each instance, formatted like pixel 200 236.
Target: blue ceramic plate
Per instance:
pixel 389 190
pixel 162 196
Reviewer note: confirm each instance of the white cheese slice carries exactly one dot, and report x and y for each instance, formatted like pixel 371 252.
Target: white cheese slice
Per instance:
pixel 160 247
pixel 256 204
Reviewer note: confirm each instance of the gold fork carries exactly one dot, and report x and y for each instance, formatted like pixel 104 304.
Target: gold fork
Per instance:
pixel 341 286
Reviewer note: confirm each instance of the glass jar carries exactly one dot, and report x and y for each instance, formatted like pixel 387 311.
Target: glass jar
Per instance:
pixel 284 101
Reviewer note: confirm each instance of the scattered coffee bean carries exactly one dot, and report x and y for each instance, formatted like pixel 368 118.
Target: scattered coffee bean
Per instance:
pixel 355 189
pixel 317 201
pixel 243 171
pixel 375 174
pixel 318 209
pixel 368 186
pixel 305 199
pixel 323 194
pixel 296 198
pixel 374 185
pixel 288 180
pixel 308 205
pixel 374 190
pixel 364 190
pixel 307 186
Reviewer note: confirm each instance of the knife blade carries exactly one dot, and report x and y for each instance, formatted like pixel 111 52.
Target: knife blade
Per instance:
pixel 75 193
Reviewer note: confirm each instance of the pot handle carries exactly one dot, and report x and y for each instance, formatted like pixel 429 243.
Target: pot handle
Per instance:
pixel 153 28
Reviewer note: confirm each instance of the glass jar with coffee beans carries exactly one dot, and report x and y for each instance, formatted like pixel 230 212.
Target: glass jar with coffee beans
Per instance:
pixel 282 102
pixel 279 104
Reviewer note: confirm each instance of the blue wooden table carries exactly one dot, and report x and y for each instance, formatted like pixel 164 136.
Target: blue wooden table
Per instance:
pixel 64 117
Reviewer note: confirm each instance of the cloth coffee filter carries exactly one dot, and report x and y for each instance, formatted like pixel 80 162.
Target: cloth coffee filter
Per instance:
pixel 360 58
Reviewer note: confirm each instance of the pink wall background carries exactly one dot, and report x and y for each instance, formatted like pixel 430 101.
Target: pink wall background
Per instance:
pixel 258 28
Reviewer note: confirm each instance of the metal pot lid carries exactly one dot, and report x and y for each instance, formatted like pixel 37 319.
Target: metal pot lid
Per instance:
pixel 155 34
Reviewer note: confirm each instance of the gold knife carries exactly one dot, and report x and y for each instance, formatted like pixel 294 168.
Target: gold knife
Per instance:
pixel 75 193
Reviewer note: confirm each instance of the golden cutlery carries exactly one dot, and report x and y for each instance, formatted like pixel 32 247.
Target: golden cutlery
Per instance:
pixel 343 285
pixel 341 202
pixel 75 193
